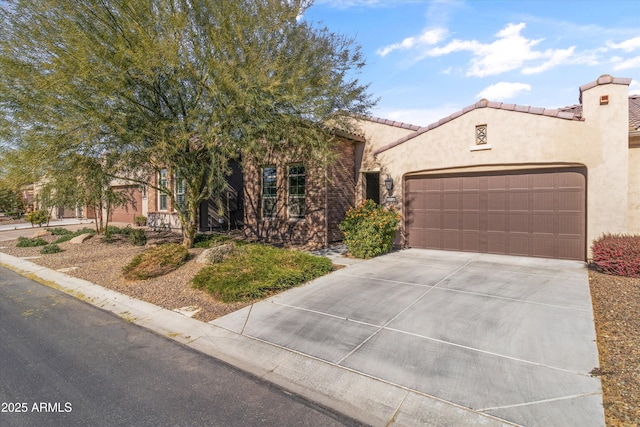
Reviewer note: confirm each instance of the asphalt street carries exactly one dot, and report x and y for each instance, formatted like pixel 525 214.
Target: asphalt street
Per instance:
pixel 66 363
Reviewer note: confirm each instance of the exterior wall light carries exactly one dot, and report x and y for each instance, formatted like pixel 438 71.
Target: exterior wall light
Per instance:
pixel 388 184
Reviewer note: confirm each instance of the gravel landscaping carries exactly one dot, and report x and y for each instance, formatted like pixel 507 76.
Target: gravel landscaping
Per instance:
pixel 616 303
pixel 101 263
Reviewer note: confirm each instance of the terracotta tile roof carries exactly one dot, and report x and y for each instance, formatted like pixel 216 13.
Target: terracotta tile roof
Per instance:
pixel 389 122
pixel 483 103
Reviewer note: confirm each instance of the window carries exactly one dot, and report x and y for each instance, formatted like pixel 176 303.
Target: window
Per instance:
pixel 162 196
pixel 296 191
pixel 179 192
pixel 269 192
pixel 481 134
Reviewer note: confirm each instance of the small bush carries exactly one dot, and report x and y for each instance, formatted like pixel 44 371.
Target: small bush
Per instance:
pixel 137 237
pixel 38 217
pixel 156 262
pixel 202 240
pixel 256 271
pixel 50 249
pixel 26 242
pixel 140 220
pixel 369 229
pixel 58 231
pixel 112 229
pixel 617 254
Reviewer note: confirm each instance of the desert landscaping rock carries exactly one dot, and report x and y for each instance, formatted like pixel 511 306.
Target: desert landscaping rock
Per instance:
pixel 215 254
pixel 40 233
pixel 101 263
pixel 81 238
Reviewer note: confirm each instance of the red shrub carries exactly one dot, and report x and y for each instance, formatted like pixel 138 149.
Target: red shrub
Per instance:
pixel 617 254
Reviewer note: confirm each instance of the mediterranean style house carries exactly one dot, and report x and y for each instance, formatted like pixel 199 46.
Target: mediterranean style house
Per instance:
pixel 510 179
pixel 493 178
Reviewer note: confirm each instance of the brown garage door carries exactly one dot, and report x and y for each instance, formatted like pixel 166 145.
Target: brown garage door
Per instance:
pixel 538 213
pixel 126 214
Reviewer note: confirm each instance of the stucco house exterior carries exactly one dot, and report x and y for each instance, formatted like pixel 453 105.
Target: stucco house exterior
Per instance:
pixel 492 178
pixel 510 179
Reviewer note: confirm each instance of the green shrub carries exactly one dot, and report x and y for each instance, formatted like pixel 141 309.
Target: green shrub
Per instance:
pixel 256 271
pixel 50 249
pixel 369 229
pixel 156 261
pixel 137 237
pixel 140 220
pixel 112 229
pixel 202 240
pixel 26 242
pixel 617 254
pixel 38 217
pixel 58 231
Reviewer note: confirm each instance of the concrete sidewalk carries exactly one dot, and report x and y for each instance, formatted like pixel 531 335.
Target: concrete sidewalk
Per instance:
pixel 52 223
pixel 412 338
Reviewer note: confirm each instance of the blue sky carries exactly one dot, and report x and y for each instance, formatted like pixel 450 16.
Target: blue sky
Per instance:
pixel 428 59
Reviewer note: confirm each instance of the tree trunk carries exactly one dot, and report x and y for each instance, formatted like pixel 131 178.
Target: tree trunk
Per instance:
pixel 190 226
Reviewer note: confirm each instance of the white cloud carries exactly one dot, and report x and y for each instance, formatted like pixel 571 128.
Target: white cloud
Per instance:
pixel 510 51
pixel 627 45
pixel 428 37
pixel 634 87
pixel 420 117
pixel 503 91
pixel 625 64
pixel 556 57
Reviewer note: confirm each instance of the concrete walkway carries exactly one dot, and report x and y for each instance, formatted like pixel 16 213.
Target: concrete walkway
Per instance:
pixel 412 338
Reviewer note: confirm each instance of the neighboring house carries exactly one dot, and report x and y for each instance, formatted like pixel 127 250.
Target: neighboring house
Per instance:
pixel 509 179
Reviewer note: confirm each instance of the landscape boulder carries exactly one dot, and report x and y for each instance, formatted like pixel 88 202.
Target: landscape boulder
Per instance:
pixel 81 238
pixel 40 233
pixel 216 254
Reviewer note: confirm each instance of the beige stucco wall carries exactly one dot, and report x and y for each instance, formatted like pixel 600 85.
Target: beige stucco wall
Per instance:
pixel 525 140
pixel 377 135
pixel 634 190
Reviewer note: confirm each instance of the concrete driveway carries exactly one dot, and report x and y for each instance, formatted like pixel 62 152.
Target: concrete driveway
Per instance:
pixel 508 337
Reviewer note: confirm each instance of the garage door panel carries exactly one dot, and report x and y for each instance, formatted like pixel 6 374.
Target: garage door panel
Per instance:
pixel 543 245
pixel 471 242
pixel 496 201
pixel 451 201
pixel 570 201
pixel 451 240
pixel 470 201
pixel 496 222
pixel 471 221
pixel 518 201
pixel 543 223
pixel 497 243
pixel 132 208
pixel 570 225
pixel 530 213
pixel 451 221
pixel 544 201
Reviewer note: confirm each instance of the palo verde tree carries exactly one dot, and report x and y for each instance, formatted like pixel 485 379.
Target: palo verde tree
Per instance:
pixel 186 85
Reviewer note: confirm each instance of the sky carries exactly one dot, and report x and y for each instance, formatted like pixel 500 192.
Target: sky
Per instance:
pixel 427 59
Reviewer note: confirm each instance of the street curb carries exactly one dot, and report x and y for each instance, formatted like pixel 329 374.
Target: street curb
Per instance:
pixel 364 398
